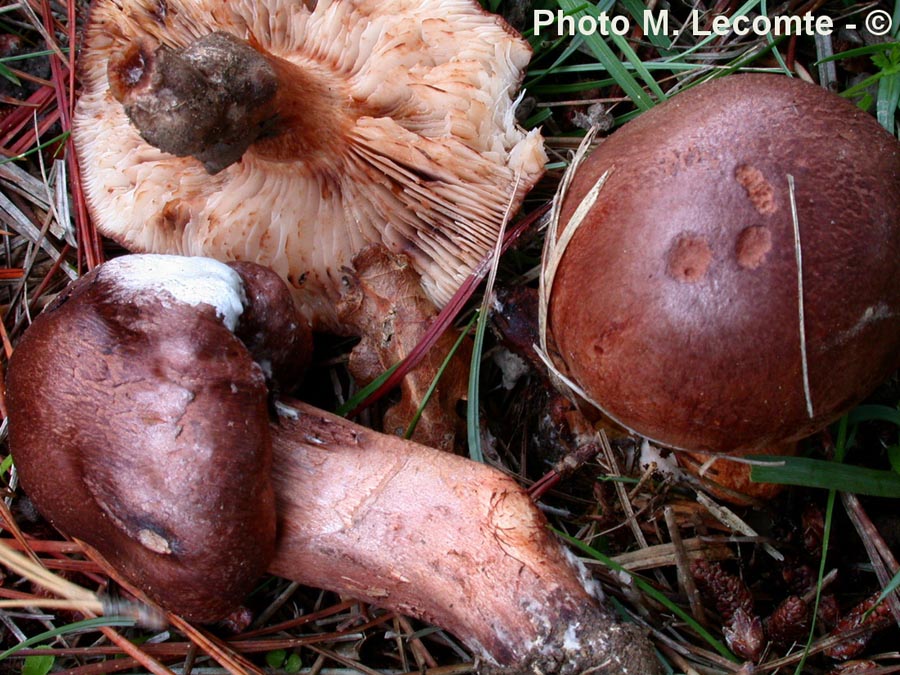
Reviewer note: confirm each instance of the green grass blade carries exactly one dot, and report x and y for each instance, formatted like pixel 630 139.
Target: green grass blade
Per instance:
pixel 473 404
pixel 826 474
pixel 886 102
pixel 892 586
pixel 635 61
pixel 437 378
pixel 9 75
pixel 359 397
pixel 554 68
pixel 87 624
pixel 840 451
pixel 637 8
pixel 834 474
pixel 868 50
pixel 653 593
pixel 708 39
pixel 540 117
pixel 604 54
pixel 873 413
pixel 473 418
pixel 770 40
pixel 56 139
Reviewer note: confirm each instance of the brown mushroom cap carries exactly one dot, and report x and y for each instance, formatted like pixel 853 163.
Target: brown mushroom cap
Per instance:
pixel 138 421
pixel 392 122
pixel 152 414
pixel 676 306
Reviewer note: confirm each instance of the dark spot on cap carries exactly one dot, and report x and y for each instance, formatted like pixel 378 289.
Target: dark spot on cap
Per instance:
pixel 689 258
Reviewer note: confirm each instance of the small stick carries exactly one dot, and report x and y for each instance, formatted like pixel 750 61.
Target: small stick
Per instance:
pixel 685 578
pixel 882 559
pixel 423 657
pixel 728 517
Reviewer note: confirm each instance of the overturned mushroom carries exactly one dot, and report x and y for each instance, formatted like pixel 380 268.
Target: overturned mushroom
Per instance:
pixel 153 417
pixel 293 134
pixel 733 286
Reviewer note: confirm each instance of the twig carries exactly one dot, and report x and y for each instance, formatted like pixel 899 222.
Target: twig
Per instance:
pixel 729 518
pixel 883 560
pixel 662 555
pixel 685 578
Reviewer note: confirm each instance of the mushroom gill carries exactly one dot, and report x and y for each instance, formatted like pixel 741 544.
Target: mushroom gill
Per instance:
pixel 392 122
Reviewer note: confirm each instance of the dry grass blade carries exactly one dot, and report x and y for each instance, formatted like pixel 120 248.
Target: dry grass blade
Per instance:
pixel 729 518
pixel 80 599
pixel 73 597
pixel 37 573
pixel 798 253
pixel 555 244
pixel 554 247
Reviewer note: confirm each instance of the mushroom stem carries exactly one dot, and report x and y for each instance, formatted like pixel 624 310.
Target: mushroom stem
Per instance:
pixel 406 527
pixel 216 97
pixel 146 434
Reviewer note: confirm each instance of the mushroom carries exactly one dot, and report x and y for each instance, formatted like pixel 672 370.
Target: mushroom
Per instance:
pixel 135 386
pixel 294 134
pixel 139 424
pixel 440 537
pixel 732 286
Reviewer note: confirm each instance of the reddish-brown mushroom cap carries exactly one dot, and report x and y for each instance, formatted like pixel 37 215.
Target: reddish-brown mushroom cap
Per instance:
pixel 139 423
pixel 372 121
pixel 683 307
